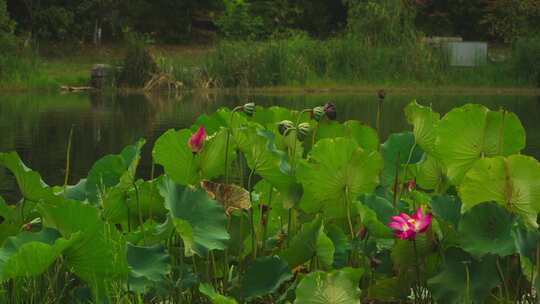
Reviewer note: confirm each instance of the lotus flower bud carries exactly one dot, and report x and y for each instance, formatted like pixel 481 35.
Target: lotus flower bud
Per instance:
pixel 330 110
pixel 303 130
pixel 285 126
pixel 317 113
pixel 196 141
pixel 249 108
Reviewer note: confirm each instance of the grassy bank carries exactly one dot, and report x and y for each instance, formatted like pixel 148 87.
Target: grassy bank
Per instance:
pixel 298 62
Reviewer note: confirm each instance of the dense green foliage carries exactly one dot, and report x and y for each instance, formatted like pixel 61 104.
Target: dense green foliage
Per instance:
pixel 299 214
pixel 176 21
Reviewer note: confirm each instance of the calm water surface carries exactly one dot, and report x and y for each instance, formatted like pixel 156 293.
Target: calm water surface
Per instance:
pixel 37 126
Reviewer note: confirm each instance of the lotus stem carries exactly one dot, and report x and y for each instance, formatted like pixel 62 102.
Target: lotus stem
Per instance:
pixel 265 227
pixel 501 275
pixel 227 144
pixel 468 290
pixel 289 223
pixel 348 206
pixel 417 267
pixel 68 158
pixel 139 211
pixel 379 114
pixel 293 159
pixel 395 186
pixel 251 219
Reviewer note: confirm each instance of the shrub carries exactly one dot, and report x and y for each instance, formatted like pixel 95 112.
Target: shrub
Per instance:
pixel 138 65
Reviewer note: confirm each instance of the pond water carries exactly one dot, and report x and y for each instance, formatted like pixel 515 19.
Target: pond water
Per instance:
pixel 37 126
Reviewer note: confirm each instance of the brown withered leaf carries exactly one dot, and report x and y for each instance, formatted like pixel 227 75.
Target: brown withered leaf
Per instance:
pixel 232 197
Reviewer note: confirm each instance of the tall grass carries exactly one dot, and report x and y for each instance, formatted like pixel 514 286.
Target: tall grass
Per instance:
pixel 302 60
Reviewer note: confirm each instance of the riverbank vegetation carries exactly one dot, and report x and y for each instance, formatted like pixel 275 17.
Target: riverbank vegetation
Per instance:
pixel 270 43
pixel 256 205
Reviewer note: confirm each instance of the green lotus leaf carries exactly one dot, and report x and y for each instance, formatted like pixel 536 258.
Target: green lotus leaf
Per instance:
pixel 200 221
pixel 270 117
pixel 264 276
pixel 471 132
pixel 381 206
pixel 431 175
pixel 365 136
pixel 325 250
pixel 487 229
pixel 304 244
pixel 277 212
pixel 98 254
pixel 402 146
pixel 390 290
pixel 263 157
pixel 142 196
pixel 171 150
pixel 105 174
pixel 221 118
pixel 512 182
pixel 32 187
pixel 337 170
pixel 425 122
pixel 76 192
pixel 216 298
pixel 148 266
pixel 336 287
pixel 10 223
pixel 148 197
pixel 451 285
pixel 341 243
pixel 447 207
pixel 30 254
pixel 111 171
pixel 372 223
pixel 403 255
pixel 212 158
pixel 526 242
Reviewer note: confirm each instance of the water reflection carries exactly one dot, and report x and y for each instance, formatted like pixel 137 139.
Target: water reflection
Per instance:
pixel 38 126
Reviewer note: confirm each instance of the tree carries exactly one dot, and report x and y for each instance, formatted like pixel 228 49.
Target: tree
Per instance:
pixel 509 20
pixel 7 39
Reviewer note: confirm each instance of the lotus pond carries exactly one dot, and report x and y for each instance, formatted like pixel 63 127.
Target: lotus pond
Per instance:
pixel 270 200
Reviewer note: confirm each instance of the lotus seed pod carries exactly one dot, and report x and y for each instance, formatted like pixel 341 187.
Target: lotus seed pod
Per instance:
pixel 330 111
pixel 249 108
pixel 317 113
pixel 381 94
pixel 285 126
pixel 303 130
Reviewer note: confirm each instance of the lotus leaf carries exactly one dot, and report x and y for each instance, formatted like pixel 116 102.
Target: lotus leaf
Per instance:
pixel 264 276
pixel 487 229
pixel 337 170
pixel 200 221
pixel 30 254
pixel 512 182
pixel 336 287
pixel 464 279
pixel 147 265
pixel 471 132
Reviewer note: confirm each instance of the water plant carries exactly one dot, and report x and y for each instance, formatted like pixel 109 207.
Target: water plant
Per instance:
pixel 272 205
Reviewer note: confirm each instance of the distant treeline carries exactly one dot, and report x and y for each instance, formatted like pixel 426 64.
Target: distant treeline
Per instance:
pixel 174 21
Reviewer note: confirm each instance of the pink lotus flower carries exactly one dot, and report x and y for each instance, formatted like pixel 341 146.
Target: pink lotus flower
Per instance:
pixel 196 141
pixel 406 227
